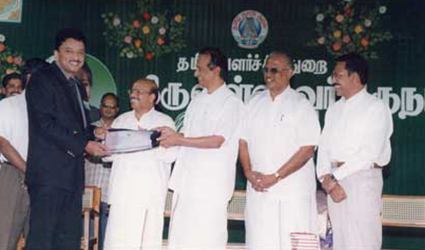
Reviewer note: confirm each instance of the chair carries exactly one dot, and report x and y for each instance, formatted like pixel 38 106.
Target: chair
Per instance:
pixel 403 211
pixel 91 209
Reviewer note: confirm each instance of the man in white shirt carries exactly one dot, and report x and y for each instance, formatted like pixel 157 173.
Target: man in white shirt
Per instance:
pixel 354 146
pixel 13 84
pixel 204 175
pixel 14 199
pixel 279 134
pixel 98 172
pixel 139 181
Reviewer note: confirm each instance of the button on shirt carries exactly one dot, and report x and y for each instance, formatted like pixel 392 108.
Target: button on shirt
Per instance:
pixel 274 131
pixel 357 132
pixel 14 123
pixel 209 173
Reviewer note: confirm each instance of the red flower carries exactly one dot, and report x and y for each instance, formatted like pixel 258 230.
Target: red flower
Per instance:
pixel 348 11
pixel 160 41
pixel 336 46
pixel 146 15
pixel 148 55
pixel 136 24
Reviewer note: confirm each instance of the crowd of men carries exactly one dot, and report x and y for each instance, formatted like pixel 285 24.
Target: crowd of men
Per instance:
pixel 50 149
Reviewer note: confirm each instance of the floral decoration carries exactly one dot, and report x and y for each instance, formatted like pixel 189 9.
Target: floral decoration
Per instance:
pixel 10 60
pixel 344 27
pixel 147 34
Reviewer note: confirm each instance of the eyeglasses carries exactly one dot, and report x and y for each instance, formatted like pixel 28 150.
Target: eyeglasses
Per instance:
pixel 274 70
pixel 138 92
pixel 338 75
pixel 108 106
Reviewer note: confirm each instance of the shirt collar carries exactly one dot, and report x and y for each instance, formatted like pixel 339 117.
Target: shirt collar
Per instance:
pixel 357 96
pixel 285 93
pixel 217 92
pixel 145 115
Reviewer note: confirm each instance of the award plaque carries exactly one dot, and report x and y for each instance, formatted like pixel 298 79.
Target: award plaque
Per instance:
pixel 129 140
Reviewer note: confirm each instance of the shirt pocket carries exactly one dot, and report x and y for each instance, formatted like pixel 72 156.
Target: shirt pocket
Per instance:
pixel 285 126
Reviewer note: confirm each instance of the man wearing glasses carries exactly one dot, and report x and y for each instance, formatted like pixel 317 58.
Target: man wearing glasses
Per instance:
pixel 280 131
pixel 97 171
pixel 139 180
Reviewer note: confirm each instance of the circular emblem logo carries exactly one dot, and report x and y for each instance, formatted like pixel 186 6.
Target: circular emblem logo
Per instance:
pixel 249 28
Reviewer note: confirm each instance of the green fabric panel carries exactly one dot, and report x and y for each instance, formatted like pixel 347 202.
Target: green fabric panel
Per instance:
pixel 291 25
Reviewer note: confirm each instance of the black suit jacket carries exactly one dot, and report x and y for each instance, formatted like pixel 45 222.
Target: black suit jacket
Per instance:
pixel 57 136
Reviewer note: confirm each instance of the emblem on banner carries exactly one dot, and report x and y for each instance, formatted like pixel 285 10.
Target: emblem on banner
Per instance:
pixel 249 28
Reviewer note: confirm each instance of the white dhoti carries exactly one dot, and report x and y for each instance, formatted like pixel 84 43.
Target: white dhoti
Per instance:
pixel 269 220
pixel 134 228
pixel 197 225
pixel 356 221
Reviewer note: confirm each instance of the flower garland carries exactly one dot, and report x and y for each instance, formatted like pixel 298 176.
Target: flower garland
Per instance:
pixel 342 28
pixel 10 60
pixel 147 35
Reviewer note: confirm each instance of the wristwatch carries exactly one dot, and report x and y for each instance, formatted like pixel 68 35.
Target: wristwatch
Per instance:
pixel 277 176
pixel 333 178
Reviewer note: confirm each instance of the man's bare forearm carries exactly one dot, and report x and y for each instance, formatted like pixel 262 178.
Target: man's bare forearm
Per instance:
pixel 297 161
pixel 11 154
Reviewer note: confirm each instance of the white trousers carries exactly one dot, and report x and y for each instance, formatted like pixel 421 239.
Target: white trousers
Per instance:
pixel 134 228
pixel 356 221
pixel 270 220
pixel 197 225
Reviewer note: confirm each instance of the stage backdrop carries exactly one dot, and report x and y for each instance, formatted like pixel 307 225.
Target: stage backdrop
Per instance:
pixel 159 39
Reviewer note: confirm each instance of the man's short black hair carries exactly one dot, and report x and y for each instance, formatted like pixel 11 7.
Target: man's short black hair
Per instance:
pixel 67 33
pixel 87 69
pixel 218 59
pixel 355 63
pixel 110 94
pixel 11 76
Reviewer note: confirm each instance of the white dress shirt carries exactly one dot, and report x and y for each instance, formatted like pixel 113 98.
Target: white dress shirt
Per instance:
pixel 275 131
pixel 141 178
pixel 14 123
pixel 138 188
pixel 357 132
pixel 209 173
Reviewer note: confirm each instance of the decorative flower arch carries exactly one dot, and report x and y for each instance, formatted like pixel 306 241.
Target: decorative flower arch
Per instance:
pixel 10 60
pixel 147 34
pixel 343 27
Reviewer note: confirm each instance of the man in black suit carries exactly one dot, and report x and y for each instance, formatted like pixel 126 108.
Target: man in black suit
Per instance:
pixel 58 137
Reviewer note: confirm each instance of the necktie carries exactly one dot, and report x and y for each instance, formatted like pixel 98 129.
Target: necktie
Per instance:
pixel 74 83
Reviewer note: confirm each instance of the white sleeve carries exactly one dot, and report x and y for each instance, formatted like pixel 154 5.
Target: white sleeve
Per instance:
pixel 308 130
pixel 244 128
pixel 375 141
pixel 323 166
pixel 167 155
pixel 6 122
pixel 230 119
